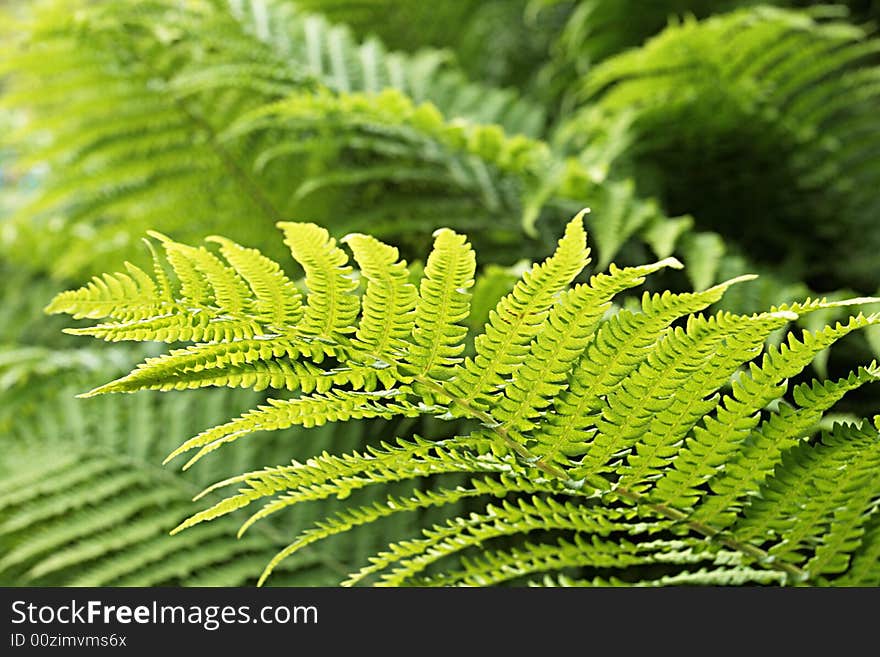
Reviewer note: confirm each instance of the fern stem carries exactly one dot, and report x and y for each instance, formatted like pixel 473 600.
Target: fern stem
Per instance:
pixel 710 532
pixel 637 498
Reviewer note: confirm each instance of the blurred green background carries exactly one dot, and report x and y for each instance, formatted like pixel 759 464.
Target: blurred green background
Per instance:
pixel 738 136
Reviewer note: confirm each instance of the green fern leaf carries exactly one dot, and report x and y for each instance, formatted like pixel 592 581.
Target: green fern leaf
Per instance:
pixel 803 504
pixel 621 344
pixel 746 447
pixel 518 316
pixel 306 411
pixel 444 301
pixel 390 299
pixel 653 444
pixel 331 306
pixel 277 301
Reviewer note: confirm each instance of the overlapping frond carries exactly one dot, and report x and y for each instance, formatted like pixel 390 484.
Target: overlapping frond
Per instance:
pixel 83 503
pixel 651 445
pixel 103 519
pixel 815 505
pixel 518 317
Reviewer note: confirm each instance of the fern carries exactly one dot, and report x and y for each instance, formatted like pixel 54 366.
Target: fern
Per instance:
pixel 516 37
pixel 651 446
pixel 83 503
pixel 791 95
pixel 255 109
pixel 243 101
pixel 82 499
pixel 130 115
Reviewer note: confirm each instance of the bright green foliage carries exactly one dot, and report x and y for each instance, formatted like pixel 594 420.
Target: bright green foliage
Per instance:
pixel 646 446
pixel 186 117
pixel 253 109
pixel 131 111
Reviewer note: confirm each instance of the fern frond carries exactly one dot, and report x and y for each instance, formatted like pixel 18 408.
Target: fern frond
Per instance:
pixel 419 500
pixel 331 306
pixel 306 411
pixel 506 519
pixel 620 345
pixel 110 515
pixel 585 423
pixel 568 329
pixel 215 361
pixel 277 301
pixel 659 442
pixel 109 512
pixel 134 117
pixel 756 84
pixel 444 301
pixel 62 455
pixel 394 140
pixel 390 299
pixel 603 522
pixel 326 475
pixel 124 297
pixel 747 461
pixel 494 568
pixel 740 415
pixel 863 565
pixel 518 317
pixel 716 576
pixel 803 506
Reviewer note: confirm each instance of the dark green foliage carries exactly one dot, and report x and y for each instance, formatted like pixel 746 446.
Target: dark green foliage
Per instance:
pixel 254 109
pixel 755 118
pixel 597 29
pixel 734 137
pixel 468 28
pixel 83 500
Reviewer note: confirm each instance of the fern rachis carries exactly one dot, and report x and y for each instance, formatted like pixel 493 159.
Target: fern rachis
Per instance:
pixel 584 423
